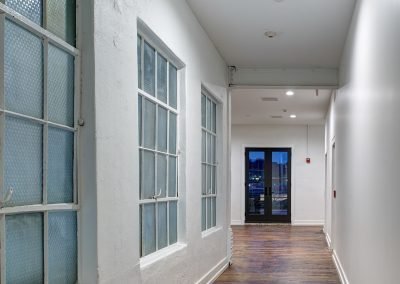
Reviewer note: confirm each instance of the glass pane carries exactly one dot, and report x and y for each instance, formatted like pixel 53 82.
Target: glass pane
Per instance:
pixel 32 9
pixel 24 248
pixel 203 111
pixel 173 89
pixel 203 214
pixel 173 221
pixel 149 69
pixel 172 177
pixel 203 179
pixel 256 183
pixel 23 67
pixel 209 148
pixel 148 229
pixel 214 118
pixel 203 146
pixel 212 161
pixel 161 78
pixel 280 183
pixel 162 225
pixel 140 120
pixel 62 247
pixel 61 86
pixel 208 105
pixel 172 133
pixel 60 166
pixel 162 129
pixel 149 125
pixel 214 212
pixel 162 175
pixel 213 179
pixel 209 177
pixel 23 161
pixel 61 19
pixel 147 169
pixel 139 61
pixel 209 212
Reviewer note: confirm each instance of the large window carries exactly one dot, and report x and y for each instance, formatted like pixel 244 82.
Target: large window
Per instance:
pixel 208 161
pixel 158 119
pixel 38 131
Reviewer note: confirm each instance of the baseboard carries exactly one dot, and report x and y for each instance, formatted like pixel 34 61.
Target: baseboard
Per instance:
pixel 236 222
pixel 328 240
pixel 339 268
pixel 214 272
pixel 308 222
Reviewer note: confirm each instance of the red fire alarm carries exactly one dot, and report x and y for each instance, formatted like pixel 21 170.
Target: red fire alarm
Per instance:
pixel 308 160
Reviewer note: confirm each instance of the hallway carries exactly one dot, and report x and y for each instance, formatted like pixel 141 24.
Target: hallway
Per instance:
pixel 280 254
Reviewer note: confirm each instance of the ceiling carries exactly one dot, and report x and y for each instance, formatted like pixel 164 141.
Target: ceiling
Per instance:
pixel 249 108
pixel 310 33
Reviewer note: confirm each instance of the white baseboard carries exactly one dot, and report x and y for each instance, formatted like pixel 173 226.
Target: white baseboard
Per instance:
pixel 236 222
pixel 308 222
pixel 339 267
pixel 214 272
pixel 328 240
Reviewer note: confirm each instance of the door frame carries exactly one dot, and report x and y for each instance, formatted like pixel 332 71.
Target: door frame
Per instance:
pixel 291 192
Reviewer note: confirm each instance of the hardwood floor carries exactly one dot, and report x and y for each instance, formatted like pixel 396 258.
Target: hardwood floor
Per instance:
pixel 280 254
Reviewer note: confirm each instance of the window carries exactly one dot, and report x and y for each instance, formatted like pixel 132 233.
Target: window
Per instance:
pixel 38 107
pixel 158 127
pixel 208 161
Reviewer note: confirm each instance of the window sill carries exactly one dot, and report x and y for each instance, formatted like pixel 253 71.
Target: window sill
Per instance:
pixel 210 231
pixel 160 254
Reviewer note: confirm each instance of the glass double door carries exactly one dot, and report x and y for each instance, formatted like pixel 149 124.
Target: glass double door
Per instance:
pixel 268 185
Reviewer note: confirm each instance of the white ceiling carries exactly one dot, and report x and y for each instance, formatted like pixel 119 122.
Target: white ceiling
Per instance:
pixel 249 108
pixel 311 33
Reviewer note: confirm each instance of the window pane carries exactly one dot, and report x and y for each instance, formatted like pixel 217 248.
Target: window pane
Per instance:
pixel 203 146
pixel 61 86
pixel 203 111
pixel 173 90
pixel 24 248
pixel 161 78
pixel 61 19
pixel 162 175
pixel 209 148
pixel 209 212
pixel 149 125
pixel 162 129
pixel 172 177
pixel 214 118
pixel 149 228
pixel 23 161
pixel 203 214
pixel 32 9
pixel 209 177
pixel 214 213
pixel 139 61
pixel 213 180
pixel 23 66
pixel 213 150
pixel 140 120
pixel 162 225
pixel 149 69
pixel 60 166
pixel 203 179
pixel 208 105
pixel 172 133
pixel 173 219
pixel 147 168
pixel 62 247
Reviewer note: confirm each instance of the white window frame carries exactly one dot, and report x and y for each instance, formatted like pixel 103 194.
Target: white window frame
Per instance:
pixel 47 38
pixel 148 36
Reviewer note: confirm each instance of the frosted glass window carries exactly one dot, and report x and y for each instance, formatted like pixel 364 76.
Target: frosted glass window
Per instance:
pixel 162 122
pixel 24 248
pixel 208 106
pixel 149 84
pixel 203 146
pixel 162 175
pixel 209 177
pixel 204 179
pixel 62 247
pixel 213 215
pixel 172 133
pixel 149 124
pixel 140 120
pixel 203 214
pixel 213 181
pixel 173 86
pixel 209 213
pixel 147 170
pixel 161 78
pixel 32 9
pixel 148 228
pixel 23 161
pixel 173 225
pixel 203 111
pixel 209 148
pixel 139 61
pixel 172 177
pixel 60 86
pixel 162 225
pixel 61 19
pixel 214 118
pixel 23 70
pixel 60 166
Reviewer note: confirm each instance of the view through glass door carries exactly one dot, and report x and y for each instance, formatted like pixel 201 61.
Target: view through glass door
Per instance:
pixel 268 185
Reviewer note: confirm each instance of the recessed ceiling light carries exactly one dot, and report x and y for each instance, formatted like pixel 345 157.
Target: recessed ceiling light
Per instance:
pixel 270 34
pixel 293 116
pixel 290 93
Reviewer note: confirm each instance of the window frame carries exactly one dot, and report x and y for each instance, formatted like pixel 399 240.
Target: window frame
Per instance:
pixel 44 208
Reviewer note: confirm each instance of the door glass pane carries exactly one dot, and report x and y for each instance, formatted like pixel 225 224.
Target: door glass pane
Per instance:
pixel 32 9
pixel 23 161
pixel 23 67
pixel 149 124
pixel 162 175
pixel 62 247
pixel 61 19
pixel 162 129
pixel 256 183
pixel 161 78
pixel 139 61
pixel 172 177
pixel 24 248
pixel 140 120
pixel 173 219
pixel 149 228
pixel 203 111
pixel 147 185
pixel 162 225
pixel 172 133
pixel 149 69
pixel 61 86
pixel 280 183
pixel 173 89
pixel 60 166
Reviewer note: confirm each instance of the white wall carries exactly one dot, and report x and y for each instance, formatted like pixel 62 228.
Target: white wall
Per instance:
pixel 367 135
pixel 307 179
pixel 197 257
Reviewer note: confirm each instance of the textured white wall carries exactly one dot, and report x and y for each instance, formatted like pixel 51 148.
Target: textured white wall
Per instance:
pixel 367 136
pixel 307 179
pixel 117 150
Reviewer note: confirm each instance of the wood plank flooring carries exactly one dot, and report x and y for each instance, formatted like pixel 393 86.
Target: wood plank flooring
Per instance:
pixel 280 254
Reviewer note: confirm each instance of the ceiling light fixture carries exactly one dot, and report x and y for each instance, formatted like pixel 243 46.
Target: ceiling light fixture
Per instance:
pixel 290 93
pixel 270 34
pixel 293 116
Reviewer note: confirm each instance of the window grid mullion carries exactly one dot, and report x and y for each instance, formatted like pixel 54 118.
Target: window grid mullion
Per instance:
pixel 157 101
